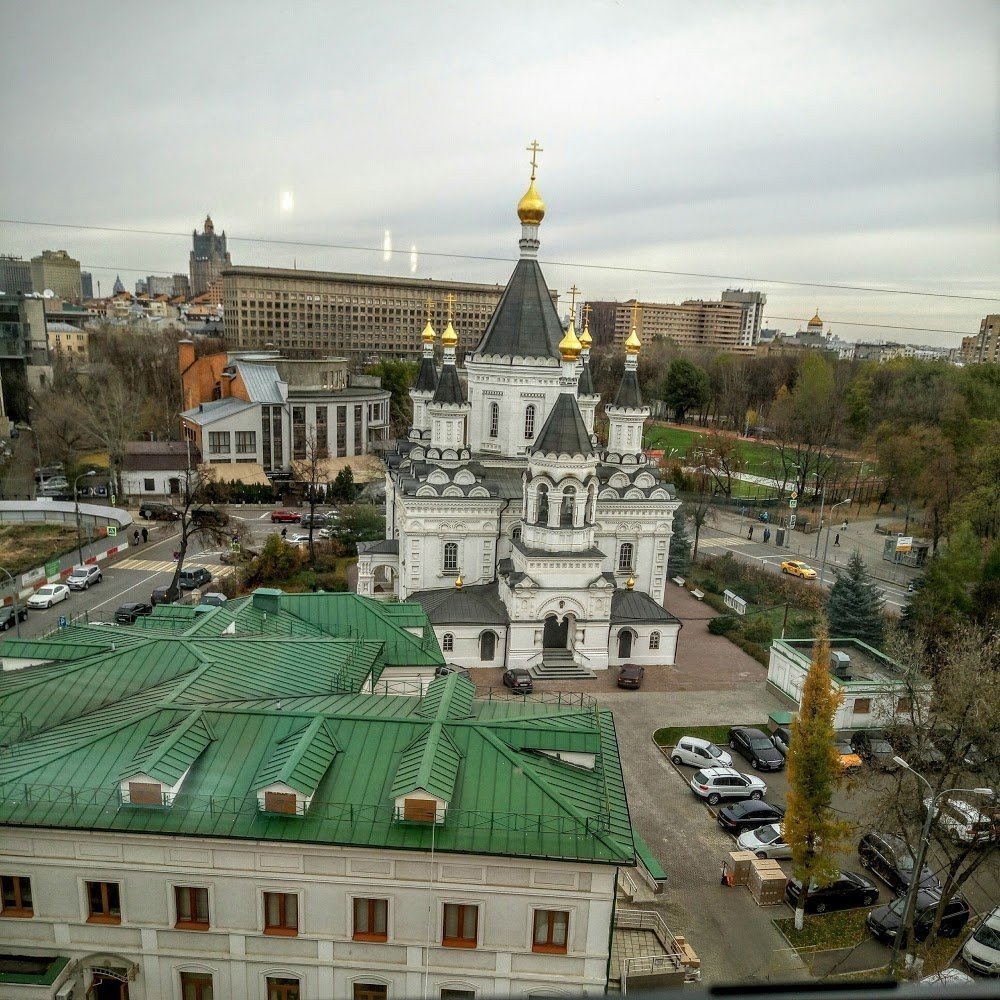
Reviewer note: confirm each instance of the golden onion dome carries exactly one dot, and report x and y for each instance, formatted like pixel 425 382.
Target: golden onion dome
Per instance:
pixel 429 336
pixel 531 208
pixel 630 583
pixel 569 346
pixel 633 343
pixel 816 321
pixel 585 338
pixel 459 582
pixel 449 338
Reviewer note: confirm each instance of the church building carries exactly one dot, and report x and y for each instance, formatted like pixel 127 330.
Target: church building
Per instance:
pixel 528 542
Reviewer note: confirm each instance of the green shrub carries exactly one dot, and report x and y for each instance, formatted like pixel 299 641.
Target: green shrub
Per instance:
pixel 721 625
pixel 757 629
pixel 332 583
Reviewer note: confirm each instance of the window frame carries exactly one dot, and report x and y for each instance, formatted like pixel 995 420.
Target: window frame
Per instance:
pixel 450 548
pixel 547 947
pixel 862 706
pixel 282 985
pixel 280 929
pixel 198 980
pixel 448 642
pixel 623 565
pixel 19 910
pixel 494 420
pixel 654 639
pixel 459 942
pixel 529 422
pixel 104 916
pixel 194 897
pixel 372 905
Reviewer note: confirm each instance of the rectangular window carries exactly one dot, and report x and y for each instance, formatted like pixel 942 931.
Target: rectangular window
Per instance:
pixel 280 802
pixel 278 444
pixel 298 432
pixel 371 919
pixel 218 442
pixel 450 993
pixel 104 903
pixel 370 991
pixel 192 908
pixel 420 810
pixel 862 706
pixel 145 793
pixel 246 442
pixel 265 435
pixel 358 429
pixel 196 986
pixel 279 988
pixel 281 913
pixel 550 931
pixel 461 924
pixel 16 896
pixel 148 485
pixel 451 557
pixel 322 439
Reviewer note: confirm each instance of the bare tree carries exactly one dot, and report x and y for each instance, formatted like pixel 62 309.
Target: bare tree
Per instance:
pixel 311 470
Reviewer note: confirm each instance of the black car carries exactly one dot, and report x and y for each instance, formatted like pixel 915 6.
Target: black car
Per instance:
pixel 888 857
pixel 153 511
pixel 884 921
pixel 209 517
pixel 518 679
pixel 127 613
pixel 631 675
pixel 748 815
pixel 7 616
pixel 753 745
pixel 163 595
pixel 848 891
pixel 874 749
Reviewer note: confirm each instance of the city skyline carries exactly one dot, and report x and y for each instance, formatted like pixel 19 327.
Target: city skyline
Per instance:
pixel 846 146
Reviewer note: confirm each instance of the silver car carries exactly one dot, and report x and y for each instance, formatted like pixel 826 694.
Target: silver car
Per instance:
pixel 699 753
pixel 766 842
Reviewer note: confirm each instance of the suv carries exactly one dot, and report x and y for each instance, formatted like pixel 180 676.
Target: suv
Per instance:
pixel 83 576
pixel 127 613
pixel 756 748
pixel 716 783
pixel 152 511
pixel 163 595
pixel 888 857
pixel 192 578
pixel 885 921
pixel 963 822
pixel 209 517
pixel 697 752
pixel 782 739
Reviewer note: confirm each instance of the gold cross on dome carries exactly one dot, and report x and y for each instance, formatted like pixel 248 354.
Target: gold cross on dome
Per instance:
pixel 534 149
pixel 586 313
pixel 430 308
pixel 635 311
pixel 450 297
pixel 573 293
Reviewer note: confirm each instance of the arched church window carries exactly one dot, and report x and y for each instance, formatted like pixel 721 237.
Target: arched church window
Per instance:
pixel 654 640
pixel 447 643
pixel 529 422
pixel 487 646
pixel 625 554
pixel 516 533
pixel 451 557
pixel 494 420
pixel 543 505
pixel 566 512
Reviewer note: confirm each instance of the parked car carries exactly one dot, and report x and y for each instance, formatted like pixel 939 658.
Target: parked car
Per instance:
pixel 209 517
pixel 213 599
pixel 918 748
pixel 83 576
pixel 847 891
pixel 163 595
pixel 946 977
pixel 7 616
pixel 452 668
pixel 849 760
pixel 299 538
pixel 753 745
pixel 127 613
pixel 631 675
pixel 518 679
pixel 51 593
pixel 717 783
pixel 884 921
pixel 195 577
pixel 316 520
pixel 982 951
pixel 153 511
pixel 283 516
pixel 891 860
pixel 874 749
pixel 796 567
pixel 699 753
pixel 964 823
pixel 765 841
pixel 782 739
pixel 748 815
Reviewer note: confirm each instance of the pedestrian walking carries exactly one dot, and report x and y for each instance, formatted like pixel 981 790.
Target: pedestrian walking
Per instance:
pixel 843 527
pixel 284 532
pixel 750 533
pixel 767 535
pixel 145 535
pixel 135 537
pixel 836 541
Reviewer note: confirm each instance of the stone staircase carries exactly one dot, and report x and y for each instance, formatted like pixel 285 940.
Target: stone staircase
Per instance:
pixel 559 665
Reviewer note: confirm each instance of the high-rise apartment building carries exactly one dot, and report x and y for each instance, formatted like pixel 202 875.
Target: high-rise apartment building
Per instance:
pixel 208 257
pixel 15 275
pixel 983 347
pixel 301 312
pixel 182 286
pixel 157 284
pixel 56 270
pixel 752 304
pixel 693 323
pixel 86 284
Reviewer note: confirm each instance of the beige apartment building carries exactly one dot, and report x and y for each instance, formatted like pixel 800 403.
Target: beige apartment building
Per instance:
pixel 693 323
pixel 357 315
pixel 983 347
pixel 56 270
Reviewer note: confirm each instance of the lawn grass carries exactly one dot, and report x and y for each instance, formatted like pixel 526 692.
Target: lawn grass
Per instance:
pixel 843 929
pixel 719 735
pixel 761 459
pixel 25 546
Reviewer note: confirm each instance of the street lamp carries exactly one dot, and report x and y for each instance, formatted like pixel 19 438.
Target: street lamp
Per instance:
pixel 76 507
pixel 826 547
pixel 822 504
pixel 13 590
pixel 918 867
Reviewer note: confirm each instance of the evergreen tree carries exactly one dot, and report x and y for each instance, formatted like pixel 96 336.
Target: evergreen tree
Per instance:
pixel 679 556
pixel 854 607
pixel 344 489
pixel 811 828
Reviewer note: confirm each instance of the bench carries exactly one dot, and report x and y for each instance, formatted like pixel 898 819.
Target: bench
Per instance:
pixel 679 580
pixel 699 594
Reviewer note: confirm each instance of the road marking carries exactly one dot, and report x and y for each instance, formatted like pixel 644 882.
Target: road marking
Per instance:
pixel 161 566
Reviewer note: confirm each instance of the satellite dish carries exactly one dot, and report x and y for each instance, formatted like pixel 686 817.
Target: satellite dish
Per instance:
pixel 48 294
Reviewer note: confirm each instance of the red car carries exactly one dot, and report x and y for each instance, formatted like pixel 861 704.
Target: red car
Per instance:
pixel 285 516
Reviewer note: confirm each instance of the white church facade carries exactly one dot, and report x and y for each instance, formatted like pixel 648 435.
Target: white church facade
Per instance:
pixel 528 542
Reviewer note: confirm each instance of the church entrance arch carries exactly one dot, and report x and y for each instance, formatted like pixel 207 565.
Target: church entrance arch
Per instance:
pixel 625 639
pixel 556 633
pixel 384 580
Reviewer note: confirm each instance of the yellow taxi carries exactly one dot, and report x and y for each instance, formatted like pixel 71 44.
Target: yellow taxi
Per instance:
pixel 798 568
pixel 849 760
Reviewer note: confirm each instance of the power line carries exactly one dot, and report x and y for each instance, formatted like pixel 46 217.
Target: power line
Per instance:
pixel 482 257
pixel 877 326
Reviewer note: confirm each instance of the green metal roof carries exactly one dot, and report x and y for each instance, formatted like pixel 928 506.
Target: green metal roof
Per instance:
pixel 430 762
pixel 301 759
pixel 448 697
pixel 167 755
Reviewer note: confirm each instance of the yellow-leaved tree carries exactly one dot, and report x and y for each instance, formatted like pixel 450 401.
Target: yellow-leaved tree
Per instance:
pixel 811 827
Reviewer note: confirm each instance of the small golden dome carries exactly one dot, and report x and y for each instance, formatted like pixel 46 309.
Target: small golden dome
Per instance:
pixel 630 583
pixel 459 582
pixel 816 321
pixel 449 338
pixel 531 208
pixel 585 338
pixel 569 346
pixel 429 336
pixel 633 343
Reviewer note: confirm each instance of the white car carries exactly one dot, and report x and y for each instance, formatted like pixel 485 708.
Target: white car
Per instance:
pixel 766 842
pixel 717 783
pixel 699 753
pixel 299 538
pixel 51 593
pixel 962 821
pixel 982 950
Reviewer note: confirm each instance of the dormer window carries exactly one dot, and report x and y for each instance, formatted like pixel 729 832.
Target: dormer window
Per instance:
pixel 145 793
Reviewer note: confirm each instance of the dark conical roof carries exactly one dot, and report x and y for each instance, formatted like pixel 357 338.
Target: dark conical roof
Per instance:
pixel 585 387
pixel 629 394
pixel 449 389
pixel 427 377
pixel 564 432
pixel 525 323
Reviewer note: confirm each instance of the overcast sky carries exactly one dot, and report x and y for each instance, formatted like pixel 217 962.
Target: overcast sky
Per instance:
pixel 845 143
